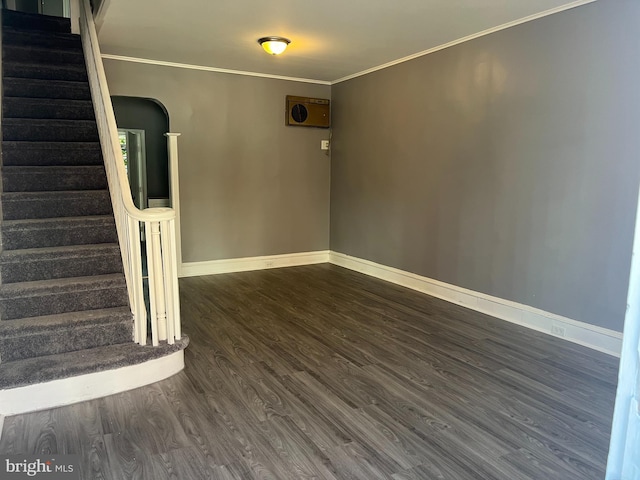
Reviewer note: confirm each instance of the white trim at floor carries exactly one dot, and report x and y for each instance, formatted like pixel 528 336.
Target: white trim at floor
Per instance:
pixel 66 391
pixel 597 338
pixel 214 267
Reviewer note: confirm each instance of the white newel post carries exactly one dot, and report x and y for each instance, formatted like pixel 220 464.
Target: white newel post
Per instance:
pixel 174 194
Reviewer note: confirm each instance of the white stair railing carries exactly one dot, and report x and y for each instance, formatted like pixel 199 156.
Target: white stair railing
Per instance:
pixel 158 223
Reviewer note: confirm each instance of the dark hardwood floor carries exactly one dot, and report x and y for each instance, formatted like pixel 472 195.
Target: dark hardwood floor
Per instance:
pixel 320 372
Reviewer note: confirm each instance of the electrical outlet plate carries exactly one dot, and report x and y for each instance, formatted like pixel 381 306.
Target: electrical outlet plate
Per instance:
pixel 324 144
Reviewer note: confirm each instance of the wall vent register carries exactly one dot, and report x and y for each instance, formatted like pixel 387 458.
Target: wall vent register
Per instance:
pixel 308 112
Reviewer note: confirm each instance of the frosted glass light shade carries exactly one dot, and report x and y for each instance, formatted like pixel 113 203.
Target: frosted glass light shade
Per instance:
pixel 274 45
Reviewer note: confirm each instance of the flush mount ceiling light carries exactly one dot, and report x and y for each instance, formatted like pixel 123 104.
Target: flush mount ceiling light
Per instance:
pixel 274 45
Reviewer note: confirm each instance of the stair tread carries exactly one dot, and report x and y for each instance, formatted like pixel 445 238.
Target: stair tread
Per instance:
pixel 32 169
pixel 40 81
pixel 29 22
pixel 58 231
pixel 48 71
pixel 31 154
pixel 58 252
pixel 55 204
pixel 40 101
pixel 10 29
pixel 74 49
pixel 53 193
pixel 52 334
pixel 65 66
pixel 17 36
pixel 63 365
pixel 23 326
pixel 52 145
pixel 48 121
pixel 45 222
pixel 61 284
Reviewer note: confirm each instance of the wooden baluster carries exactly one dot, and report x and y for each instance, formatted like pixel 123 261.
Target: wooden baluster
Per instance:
pixel 137 283
pixel 156 283
pixel 168 270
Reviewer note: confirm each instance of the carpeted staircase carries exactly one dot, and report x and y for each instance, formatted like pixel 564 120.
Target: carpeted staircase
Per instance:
pixel 63 302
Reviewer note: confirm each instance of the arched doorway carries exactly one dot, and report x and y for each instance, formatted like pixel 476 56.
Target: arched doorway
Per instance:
pixel 142 124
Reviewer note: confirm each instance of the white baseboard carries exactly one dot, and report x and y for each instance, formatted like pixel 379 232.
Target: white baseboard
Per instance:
pixel 597 338
pixel 66 391
pixel 214 267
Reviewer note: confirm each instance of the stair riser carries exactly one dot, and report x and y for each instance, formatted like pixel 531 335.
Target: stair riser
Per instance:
pixel 64 340
pixel 24 130
pixel 58 237
pixel 20 108
pixel 96 204
pixel 38 39
pixel 21 154
pixel 46 89
pixel 41 182
pixel 42 56
pixel 41 23
pixel 55 303
pixel 45 72
pixel 47 269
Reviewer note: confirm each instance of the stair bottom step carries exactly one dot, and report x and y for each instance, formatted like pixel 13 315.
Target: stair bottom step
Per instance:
pixel 53 367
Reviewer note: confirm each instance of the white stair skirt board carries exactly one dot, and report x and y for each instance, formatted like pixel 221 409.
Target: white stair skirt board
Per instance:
pixel 214 267
pixel 597 338
pixel 66 391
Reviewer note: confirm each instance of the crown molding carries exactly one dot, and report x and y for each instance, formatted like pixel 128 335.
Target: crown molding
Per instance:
pixel 489 31
pixel 205 68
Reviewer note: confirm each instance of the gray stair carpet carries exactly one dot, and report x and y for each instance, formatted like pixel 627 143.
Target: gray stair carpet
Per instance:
pixel 64 308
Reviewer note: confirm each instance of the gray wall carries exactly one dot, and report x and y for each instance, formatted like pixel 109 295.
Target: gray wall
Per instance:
pixel 249 185
pixel 508 165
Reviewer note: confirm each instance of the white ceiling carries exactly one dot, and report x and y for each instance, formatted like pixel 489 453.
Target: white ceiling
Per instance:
pixel 331 39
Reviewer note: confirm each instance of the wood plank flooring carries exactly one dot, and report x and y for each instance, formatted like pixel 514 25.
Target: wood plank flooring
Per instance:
pixel 318 372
